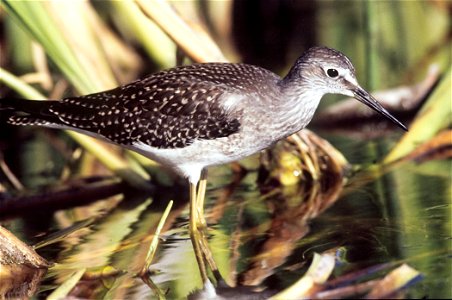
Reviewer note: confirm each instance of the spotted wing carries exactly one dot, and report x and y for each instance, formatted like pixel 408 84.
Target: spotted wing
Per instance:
pixel 163 112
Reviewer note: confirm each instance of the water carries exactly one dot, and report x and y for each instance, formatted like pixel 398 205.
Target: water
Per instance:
pixel 257 235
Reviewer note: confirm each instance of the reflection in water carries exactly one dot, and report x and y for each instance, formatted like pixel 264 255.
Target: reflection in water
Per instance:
pixel 288 224
pixel 20 281
pixel 259 232
pixel 319 169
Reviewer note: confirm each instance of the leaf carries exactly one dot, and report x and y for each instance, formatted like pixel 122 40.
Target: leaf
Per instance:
pixel 393 282
pixel 439 147
pixel 195 42
pixel 319 271
pixel 434 116
pixel 63 290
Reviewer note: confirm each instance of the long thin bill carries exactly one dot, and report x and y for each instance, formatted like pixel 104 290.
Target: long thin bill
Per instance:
pixel 366 98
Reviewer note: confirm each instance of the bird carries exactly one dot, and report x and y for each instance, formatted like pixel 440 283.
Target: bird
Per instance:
pixel 191 117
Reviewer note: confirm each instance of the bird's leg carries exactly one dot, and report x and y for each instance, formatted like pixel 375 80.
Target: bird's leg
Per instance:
pixel 202 225
pixel 201 194
pixel 195 235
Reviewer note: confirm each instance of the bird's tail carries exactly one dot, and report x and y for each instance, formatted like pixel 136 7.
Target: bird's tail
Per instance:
pixel 28 112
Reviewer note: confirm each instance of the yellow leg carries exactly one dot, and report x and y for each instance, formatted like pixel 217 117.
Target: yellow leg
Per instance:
pixel 195 234
pixel 200 196
pixel 202 225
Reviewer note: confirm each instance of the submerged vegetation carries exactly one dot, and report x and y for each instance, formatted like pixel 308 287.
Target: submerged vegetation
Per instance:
pixel 102 215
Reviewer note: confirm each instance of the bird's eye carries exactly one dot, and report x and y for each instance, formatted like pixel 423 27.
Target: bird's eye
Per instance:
pixel 333 73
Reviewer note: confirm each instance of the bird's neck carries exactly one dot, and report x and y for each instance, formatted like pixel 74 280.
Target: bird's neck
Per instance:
pixel 298 105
